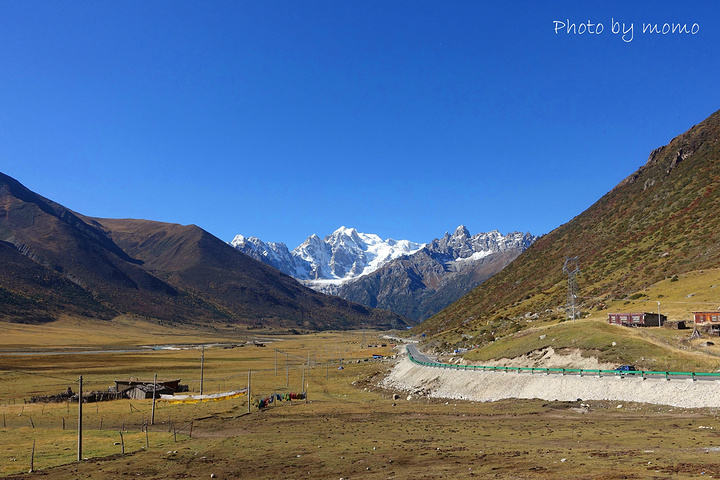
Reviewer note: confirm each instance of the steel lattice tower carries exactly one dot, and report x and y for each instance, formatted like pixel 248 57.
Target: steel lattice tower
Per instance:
pixel 571 268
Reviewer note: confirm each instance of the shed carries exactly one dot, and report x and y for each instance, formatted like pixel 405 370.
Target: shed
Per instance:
pixel 637 319
pixel 139 392
pixel 676 325
pixel 709 321
pixel 135 389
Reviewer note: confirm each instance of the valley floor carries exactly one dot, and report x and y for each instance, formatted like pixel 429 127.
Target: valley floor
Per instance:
pixel 350 427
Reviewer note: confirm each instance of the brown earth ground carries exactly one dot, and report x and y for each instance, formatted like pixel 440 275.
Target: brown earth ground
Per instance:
pixel 349 428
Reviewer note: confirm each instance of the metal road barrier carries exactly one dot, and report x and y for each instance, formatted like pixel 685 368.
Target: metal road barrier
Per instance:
pixel 575 371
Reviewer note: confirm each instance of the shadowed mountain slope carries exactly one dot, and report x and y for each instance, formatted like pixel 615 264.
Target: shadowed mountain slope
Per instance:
pixel 661 221
pixel 56 261
pixel 420 285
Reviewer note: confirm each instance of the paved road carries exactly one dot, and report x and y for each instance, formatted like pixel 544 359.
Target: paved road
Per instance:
pixel 417 355
pixel 412 348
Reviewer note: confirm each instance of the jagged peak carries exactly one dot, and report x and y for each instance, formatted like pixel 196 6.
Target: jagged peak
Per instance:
pixel 461 231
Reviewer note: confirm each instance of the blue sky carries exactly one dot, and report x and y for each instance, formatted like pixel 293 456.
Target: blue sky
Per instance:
pixel 404 119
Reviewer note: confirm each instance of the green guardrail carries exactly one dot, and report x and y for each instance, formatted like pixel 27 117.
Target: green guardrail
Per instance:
pixel 572 371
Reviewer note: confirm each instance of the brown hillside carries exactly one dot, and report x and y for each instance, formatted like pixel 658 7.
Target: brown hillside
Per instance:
pixel 660 221
pixel 195 261
pixel 56 262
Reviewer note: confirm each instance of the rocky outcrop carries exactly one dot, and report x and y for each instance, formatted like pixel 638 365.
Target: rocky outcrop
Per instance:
pixel 418 286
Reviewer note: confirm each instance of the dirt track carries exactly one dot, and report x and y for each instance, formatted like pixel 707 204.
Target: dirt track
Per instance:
pixel 486 386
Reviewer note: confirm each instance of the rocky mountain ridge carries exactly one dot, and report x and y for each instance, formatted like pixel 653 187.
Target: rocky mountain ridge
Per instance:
pixel 412 279
pixel 420 285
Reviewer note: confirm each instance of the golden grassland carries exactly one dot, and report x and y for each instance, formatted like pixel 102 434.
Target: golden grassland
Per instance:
pixel 348 428
pixel 122 331
pixel 516 332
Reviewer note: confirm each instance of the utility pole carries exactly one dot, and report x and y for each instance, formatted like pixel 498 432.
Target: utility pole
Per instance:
pixel 248 390
pixel 202 368
pixel 152 416
pixel 276 362
pixel 79 447
pixel 287 370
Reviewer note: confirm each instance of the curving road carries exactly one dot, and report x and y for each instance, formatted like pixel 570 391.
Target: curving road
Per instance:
pixel 417 355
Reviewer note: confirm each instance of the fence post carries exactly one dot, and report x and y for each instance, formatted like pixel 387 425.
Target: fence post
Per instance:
pixel 79 445
pixel 122 443
pixel 152 417
pixel 32 458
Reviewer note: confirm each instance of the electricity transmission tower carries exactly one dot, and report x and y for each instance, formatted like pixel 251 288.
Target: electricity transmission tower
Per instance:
pixel 571 268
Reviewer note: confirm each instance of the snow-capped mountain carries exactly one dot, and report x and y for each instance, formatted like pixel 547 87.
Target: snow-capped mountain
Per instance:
pixel 344 255
pixel 460 246
pixel 413 279
pixel 422 284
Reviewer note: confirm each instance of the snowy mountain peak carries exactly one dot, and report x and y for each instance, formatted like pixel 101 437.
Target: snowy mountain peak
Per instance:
pixel 347 254
pixel 461 245
pixel 238 240
pixel 343 255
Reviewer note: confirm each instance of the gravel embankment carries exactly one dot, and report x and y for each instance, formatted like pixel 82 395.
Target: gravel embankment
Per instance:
pixel 487 386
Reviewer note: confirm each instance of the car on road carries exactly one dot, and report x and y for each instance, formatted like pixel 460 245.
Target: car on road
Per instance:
pixel 626 368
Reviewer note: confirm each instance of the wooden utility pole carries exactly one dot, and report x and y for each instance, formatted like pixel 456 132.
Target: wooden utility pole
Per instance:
pixel 202 366
pixel 32 458
pixel 79 445
pixel 276 362
pixel 248 390
pixel 152 417
pixel 287 370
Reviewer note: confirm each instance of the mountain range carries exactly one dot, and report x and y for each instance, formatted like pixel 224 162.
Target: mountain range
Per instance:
pixel 409 278
pixel 338 258
pixel 58 262
pixel 658 223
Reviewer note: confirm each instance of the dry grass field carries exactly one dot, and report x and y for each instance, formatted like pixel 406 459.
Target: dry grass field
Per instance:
pixel 348 428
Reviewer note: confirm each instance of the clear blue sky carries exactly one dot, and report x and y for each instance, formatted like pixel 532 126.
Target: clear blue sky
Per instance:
pixel 404 119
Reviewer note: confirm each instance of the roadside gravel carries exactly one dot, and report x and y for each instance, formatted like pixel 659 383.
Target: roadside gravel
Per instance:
pixel 488 386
